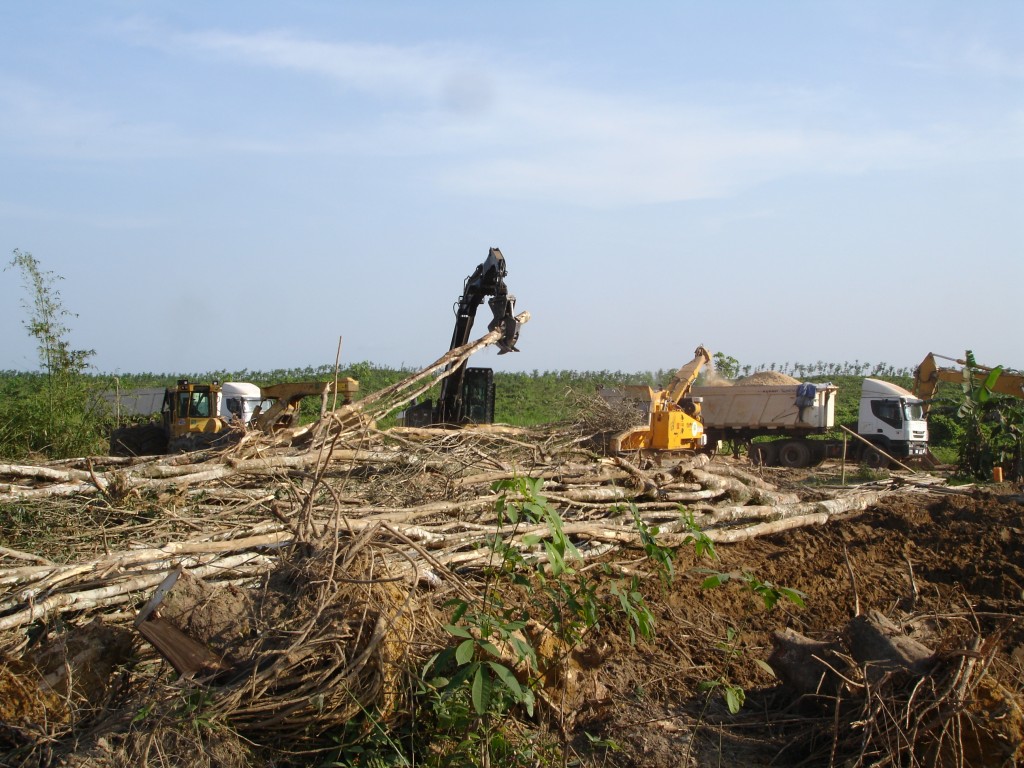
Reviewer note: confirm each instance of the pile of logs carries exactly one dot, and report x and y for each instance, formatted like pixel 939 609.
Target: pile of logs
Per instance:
pixel 250 508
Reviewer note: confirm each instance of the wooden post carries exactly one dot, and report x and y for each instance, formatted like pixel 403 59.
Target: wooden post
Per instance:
pixel 844 459
pixel 876 448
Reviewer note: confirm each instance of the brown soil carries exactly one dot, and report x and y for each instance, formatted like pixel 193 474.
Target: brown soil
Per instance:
pixel 944 567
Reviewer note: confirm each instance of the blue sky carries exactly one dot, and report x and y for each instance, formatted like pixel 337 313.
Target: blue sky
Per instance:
pixel 236 185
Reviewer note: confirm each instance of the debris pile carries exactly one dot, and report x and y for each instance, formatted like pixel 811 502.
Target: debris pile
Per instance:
pixel 287 584
pixel 897 699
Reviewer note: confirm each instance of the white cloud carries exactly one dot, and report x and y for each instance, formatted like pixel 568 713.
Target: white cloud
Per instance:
pixel 504 129
pixel 380 69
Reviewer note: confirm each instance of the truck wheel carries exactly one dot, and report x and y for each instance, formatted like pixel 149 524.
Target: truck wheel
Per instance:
pixel 874 460
pixel 763 454
pixel 795 454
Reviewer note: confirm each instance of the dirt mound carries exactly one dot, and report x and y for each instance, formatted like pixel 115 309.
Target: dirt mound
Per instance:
pixel 945 568
pixel 767 377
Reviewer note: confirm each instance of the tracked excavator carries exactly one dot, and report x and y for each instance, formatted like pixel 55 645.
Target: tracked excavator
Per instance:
pixel 467 394
pixel 675 422
pixel 929 373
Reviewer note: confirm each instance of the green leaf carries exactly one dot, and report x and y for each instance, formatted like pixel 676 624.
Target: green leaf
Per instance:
pixel 481 691
pixel 572 552
pixel 554 559
pixel 524 651
pixel 457 631
pixel 461 606
pixel 990 381
pixel 528 701
pixel 488 646
pixel 734 698
pixel 714 580
pixel 463 674
pixel 795 596
pixel 508 678
pixel 464 653
pixel 534 511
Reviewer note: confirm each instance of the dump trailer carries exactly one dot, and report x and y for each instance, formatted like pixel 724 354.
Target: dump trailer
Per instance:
pixel 890 419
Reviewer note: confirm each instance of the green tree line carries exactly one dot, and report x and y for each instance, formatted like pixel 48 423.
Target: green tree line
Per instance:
pixel 58 410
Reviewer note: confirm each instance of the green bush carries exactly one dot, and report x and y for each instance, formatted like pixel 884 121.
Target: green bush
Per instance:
pixel 56 411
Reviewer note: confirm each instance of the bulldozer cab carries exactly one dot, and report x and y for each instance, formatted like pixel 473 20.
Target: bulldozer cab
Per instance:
pixel 191 408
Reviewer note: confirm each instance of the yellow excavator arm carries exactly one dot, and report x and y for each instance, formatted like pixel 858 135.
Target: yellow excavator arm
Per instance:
pixel 287 398
pixel 683 380
pixel 928 375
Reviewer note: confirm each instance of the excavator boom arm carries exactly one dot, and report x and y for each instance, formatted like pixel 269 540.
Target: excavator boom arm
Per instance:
pixel 928 375
pixel 488 279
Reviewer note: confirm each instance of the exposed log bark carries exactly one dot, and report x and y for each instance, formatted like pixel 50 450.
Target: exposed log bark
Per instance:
pixel 16 493
pixel 6 552
pixel 807 667
pixel 121 592
pixel 882 648
pixel 805 513
pixel 611 493
pixel 44 473
pixel 188 657
pixel 740 491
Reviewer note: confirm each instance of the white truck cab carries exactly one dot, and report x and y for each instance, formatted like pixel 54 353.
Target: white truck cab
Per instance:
pixel 239 401
pixel 892 418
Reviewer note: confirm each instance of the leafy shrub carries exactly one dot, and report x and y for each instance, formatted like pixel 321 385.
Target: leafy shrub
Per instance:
pixel 56 411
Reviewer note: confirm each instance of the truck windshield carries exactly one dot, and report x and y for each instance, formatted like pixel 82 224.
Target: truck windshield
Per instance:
pixel 234 406
pixel 914 410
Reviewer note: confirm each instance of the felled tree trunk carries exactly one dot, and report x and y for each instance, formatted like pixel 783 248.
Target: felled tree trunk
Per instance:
pixel 874 642
pixel 882 649
pixel 806 667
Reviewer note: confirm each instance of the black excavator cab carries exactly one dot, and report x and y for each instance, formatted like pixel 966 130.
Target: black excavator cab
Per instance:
pixel 467 394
